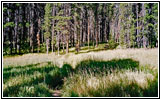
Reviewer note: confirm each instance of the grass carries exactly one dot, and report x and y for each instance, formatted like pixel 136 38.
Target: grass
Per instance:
pixel 114 78
pixel 85 49
pixel 20 78
pixel 110 73
pixel 117 84
pixel 94 66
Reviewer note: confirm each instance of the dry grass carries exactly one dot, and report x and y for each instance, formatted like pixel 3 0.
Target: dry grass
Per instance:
pixel 117 84
pixel 144 56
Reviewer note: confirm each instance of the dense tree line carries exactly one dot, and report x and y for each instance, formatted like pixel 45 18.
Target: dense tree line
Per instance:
pixel 38 27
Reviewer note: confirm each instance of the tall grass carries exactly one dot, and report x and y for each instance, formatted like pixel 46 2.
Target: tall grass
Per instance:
pixel 112 73
pixel 15 79
pixel 126 83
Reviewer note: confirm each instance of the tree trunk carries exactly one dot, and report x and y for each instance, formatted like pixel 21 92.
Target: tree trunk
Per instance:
pixel 38 41
pixel 137 25
pixel 75 30
pixel 16 31
pixel 81 26
pixel 88 32
pixel 63 42
pixel 67 44
pixel 97 25
pixel 32 28
pixel 10 32
pixel 53 14
pixel 58 43
pixel 38 36
pixel 47 46
pixel 144 37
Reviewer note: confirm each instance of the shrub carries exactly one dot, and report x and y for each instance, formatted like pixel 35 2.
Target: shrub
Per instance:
pixel 112 44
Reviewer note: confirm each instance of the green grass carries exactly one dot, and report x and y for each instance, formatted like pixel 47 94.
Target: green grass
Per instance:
pixel 85 49
pixel 94 66
pixel 17 78
pixel 33 80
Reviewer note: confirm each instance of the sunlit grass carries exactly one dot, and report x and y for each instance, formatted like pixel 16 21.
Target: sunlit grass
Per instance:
pixel 144 56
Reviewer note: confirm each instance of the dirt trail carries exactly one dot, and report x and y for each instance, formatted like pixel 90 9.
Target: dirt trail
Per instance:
pixel 57 93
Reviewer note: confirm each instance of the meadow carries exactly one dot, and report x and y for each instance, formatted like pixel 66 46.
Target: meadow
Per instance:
pixel 107 73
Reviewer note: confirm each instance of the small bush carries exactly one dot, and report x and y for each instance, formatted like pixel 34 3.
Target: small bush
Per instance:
pixel 112 44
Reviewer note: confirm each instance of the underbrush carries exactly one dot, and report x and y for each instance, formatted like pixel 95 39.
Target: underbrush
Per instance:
pixel 90 78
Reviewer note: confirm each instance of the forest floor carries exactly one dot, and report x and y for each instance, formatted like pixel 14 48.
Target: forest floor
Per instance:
pixel 111 73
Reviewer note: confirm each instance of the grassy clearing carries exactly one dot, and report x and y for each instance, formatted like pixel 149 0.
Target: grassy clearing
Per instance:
pixel 113 73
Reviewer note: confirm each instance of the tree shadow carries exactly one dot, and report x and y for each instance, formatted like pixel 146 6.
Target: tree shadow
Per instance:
pixel 100 66
pixel 28 70
pixel 19 67
pixel 55 78
pixel 14 89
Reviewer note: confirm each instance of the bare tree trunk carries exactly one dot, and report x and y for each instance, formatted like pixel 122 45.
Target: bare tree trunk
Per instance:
pixel 47 46
pixel 88 32
pixel 63 42
pixel 97 25
pixel 75 31
pixel 67 44
pixel 18 35
pixel 58 43
pixel 85 25
pixel 31 29
pixel 38 41
pixel 16 31
pixel 38 36
pixel 81 26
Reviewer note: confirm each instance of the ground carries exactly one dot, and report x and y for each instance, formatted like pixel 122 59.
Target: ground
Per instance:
pixel 71 74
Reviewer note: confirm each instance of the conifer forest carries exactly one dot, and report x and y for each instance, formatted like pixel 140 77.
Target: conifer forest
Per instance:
pixel 80 49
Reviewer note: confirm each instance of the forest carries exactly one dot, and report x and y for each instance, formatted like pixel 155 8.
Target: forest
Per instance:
pixel 40 27
pixel 71 49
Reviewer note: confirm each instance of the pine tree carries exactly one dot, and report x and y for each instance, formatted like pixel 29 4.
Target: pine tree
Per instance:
pixel 123 23
pixel 151 23
pixel 47 25
pixel 61 25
